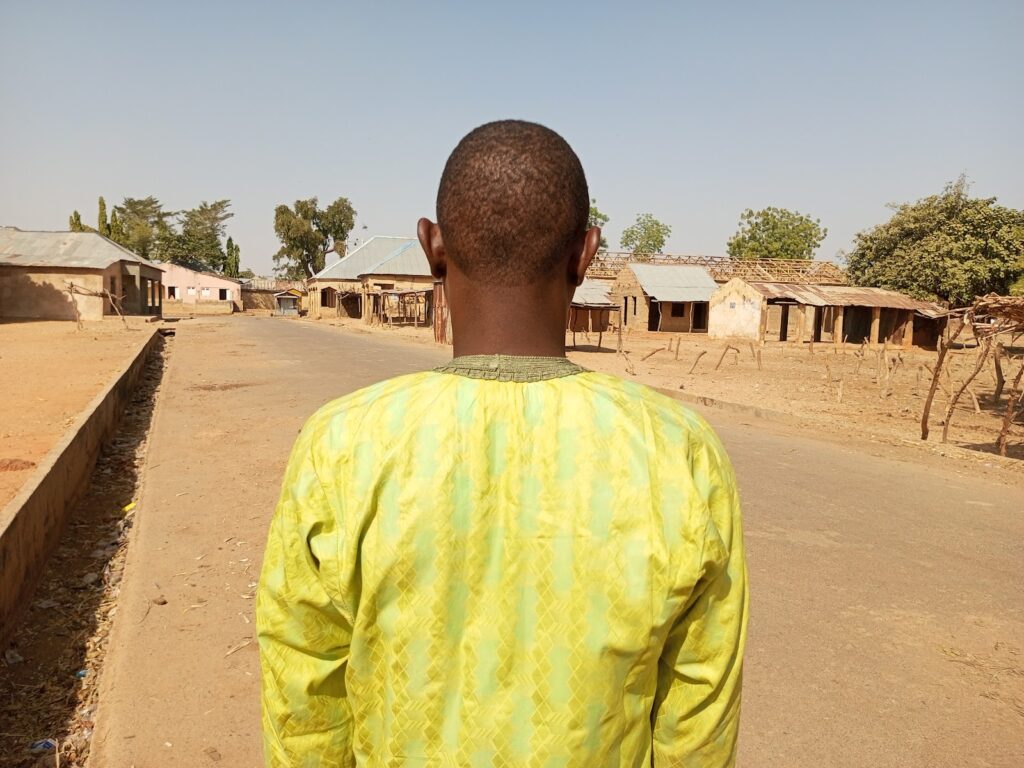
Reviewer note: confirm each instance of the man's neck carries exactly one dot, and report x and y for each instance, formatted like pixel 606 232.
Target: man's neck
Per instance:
pixel 528 320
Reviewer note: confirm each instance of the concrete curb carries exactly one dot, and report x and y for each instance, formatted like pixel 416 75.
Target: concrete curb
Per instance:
pixel 767 414
pixel 32 523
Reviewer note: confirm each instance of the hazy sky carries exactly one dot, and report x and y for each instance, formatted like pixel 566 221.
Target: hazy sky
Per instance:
pixel 691 111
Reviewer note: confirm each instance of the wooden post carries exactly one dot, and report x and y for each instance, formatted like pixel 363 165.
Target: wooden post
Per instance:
pixel 944 345
pixel 908 330
pixel 816 328
pixel 784 323
pixel 801 323
pixel 837 326
pixel 982 357
pixel 876 323
pixel 1011 405
pixel 689 315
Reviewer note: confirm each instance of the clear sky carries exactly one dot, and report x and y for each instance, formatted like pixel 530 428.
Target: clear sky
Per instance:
pixel 690 111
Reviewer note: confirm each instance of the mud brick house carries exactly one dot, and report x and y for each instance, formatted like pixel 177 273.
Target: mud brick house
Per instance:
pixel 663 297
pixel 73 275
pixel 760 311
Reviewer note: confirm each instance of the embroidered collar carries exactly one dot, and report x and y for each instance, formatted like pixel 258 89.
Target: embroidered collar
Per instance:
pixel 519 368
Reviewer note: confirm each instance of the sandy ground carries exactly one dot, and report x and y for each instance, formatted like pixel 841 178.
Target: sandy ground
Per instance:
pixel 49 373
pixel 886 616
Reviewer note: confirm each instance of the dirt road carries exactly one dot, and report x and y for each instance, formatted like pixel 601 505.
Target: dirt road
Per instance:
pixel 886 624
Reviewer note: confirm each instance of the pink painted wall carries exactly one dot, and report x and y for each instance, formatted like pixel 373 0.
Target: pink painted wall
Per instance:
pixel 192 287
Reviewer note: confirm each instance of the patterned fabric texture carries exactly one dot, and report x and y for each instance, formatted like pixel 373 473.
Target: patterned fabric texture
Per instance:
pixel 469 571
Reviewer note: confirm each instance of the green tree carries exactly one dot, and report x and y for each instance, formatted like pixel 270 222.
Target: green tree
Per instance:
pixel 145 227
pixel 232 262
pixel 776 233
pixel 645 237
pixel 102 226
pixel 597 219
pixel 948 246
pixel 308 233
pixel 201 231
pixel 117 233
pixel 75 222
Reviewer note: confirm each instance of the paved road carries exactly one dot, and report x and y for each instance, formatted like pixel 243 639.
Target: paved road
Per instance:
pixel 886 623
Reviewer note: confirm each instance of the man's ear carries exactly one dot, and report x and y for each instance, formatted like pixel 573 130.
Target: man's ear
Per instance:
pixel 581 258
pixel 430 238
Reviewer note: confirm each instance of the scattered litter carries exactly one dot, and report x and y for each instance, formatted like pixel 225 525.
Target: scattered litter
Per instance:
pixel 212 753
pixel 159 600
pixel 44 745
pixel 168 744
pixel 12 657
pixel 80 674
pixel 128 507
pixel 240 646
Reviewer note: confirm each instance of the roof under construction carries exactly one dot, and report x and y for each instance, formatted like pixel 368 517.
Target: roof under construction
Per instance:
pixel 72 250
pixel 844 296
pixel 722 269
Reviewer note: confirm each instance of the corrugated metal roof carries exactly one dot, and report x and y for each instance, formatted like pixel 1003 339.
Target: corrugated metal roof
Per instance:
pixel 593 293
pixel 76 250
pixel 408 259
pixel 675 282
pixel 368 255
pixel 845 296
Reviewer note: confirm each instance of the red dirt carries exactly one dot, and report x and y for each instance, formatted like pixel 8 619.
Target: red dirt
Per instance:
pixel 49 373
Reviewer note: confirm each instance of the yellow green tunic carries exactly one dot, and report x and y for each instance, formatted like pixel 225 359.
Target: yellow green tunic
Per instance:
pixel 504 562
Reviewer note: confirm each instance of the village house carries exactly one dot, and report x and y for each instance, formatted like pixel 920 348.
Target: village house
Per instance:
pixel 385 280
pixel 260 294
pixel 663 297
pixel 760 311
pixel 591 309
pixel 188 289
pixel 337 290
pixel 400 289
pixel 287 302
pixel 73 275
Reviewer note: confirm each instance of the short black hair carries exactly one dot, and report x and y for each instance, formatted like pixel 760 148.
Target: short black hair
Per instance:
pixel 512 198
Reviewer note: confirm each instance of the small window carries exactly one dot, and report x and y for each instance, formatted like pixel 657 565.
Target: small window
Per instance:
pixel 191 291
pixel 222 294
pixel 634 306
pixel 206 291
pixel 386 286
pixel 172 291
pixel 678 309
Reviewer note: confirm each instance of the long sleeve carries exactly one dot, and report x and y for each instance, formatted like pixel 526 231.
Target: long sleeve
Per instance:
pixel 304 626
pixel 697 706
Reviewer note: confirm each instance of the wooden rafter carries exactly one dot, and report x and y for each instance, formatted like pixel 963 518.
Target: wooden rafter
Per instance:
pixel 721 269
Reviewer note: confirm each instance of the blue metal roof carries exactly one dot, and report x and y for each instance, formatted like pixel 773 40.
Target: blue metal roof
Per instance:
pixel 675 282
pixel 408 260
pixel 368 255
